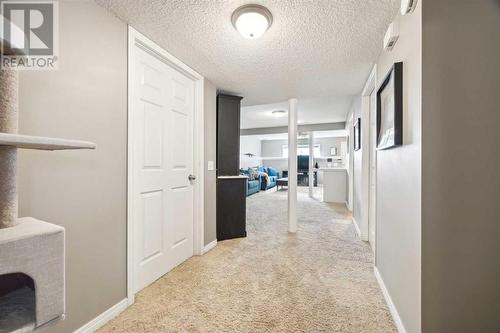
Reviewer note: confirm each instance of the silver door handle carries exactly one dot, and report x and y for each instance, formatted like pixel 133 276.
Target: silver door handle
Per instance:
pixel 192 177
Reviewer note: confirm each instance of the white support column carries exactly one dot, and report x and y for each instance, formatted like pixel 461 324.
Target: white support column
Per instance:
pixel 311 164
pixel 292 165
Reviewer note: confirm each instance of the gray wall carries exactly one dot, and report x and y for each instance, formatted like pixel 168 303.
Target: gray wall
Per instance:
pixel 398 232
pixel 461 175
pixel 398 229
pixel 250 144
pixel 326 144
pixel 272 148
pixel 210 155
pixel 84 191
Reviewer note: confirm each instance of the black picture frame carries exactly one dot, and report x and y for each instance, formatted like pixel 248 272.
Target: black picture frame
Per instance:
pixel 390 109
pixel 357 134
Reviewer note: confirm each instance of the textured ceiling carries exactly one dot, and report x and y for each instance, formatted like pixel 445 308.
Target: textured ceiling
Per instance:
pixel 313 49
pixel 310 111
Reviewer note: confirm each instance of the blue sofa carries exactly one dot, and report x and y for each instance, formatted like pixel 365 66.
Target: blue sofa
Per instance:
pixel 253 186
pixel 274 175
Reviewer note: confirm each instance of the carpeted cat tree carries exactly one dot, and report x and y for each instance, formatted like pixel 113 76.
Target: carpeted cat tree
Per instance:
pixel 32 281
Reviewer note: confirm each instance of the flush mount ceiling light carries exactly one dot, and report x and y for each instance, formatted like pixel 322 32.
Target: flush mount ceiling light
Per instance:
pixel 252 21
pixel 278 113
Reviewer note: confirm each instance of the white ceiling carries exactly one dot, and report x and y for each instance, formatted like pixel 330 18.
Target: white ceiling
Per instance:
pixel 313 49
pixel 310 111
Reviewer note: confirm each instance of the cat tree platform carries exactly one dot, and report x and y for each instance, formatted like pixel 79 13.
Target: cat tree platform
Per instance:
pixel 42 143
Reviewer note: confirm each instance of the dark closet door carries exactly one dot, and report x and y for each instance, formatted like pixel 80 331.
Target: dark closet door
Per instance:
pixel 228 135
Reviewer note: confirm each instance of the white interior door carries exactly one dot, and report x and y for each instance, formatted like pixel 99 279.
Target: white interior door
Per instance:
pixel 163 202
pixel 372 209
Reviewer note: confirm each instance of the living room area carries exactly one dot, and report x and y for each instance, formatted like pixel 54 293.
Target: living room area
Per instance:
pixel 322 144
pixel 254 147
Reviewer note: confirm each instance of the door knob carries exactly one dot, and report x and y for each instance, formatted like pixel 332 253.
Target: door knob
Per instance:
pixel 192 177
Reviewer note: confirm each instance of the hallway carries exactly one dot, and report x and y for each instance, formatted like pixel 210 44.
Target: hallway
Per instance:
pixel 319 280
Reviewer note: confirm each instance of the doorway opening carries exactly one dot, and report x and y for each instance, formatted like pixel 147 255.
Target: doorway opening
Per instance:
pixel 321 149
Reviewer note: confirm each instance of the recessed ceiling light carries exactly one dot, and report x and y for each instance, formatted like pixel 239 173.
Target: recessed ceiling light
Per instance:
pixel 279 113
pixel 252 21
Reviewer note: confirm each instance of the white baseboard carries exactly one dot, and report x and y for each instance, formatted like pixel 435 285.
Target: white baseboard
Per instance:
pixel 209 246
pixel 390 303
pixel 103 318
pixel 356 226
pixel 358 230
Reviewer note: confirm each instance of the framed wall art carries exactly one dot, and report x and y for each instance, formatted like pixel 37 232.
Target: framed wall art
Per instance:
pixel 357 134
pixel 390 109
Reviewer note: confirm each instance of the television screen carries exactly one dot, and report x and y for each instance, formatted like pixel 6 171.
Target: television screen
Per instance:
pixel 302 162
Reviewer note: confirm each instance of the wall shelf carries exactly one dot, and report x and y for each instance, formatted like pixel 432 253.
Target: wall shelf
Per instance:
pixel 42 143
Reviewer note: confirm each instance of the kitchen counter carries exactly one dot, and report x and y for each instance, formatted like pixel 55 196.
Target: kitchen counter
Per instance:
pixel 334 184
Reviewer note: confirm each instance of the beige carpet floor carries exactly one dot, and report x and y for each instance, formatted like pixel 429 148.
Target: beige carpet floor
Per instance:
pixel 318 280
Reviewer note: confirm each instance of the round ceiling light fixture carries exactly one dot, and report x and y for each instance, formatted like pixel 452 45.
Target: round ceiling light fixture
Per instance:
pixel 251 21
pixel 278 113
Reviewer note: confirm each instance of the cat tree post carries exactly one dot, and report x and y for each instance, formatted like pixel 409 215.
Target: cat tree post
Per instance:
pixel 8 154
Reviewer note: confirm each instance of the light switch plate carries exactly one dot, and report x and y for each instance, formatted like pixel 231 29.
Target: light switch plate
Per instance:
pixel 210 166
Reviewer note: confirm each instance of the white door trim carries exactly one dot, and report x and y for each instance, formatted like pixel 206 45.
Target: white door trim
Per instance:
pixel 371 82
pixel 350 149
pixel 136 39
pixel 368 89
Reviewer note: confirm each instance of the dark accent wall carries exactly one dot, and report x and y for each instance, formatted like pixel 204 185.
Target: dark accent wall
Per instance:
pixel 461 166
